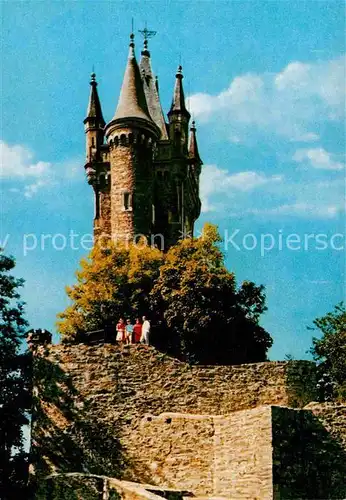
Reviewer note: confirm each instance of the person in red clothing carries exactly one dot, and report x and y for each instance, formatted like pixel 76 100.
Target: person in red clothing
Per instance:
pixel 137 331
pixel 121 337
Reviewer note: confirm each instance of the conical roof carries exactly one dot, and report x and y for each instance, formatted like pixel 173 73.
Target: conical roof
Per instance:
pixel 178 101
pixel 193 147
pixel 151 92
pixel 132 102
pixel 94 110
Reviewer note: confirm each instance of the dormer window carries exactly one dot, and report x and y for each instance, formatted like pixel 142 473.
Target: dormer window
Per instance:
pixel 127 201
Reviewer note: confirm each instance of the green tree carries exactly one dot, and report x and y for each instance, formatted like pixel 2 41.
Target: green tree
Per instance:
pixel 201 315
pixel 198 314
pixel 14 385
pixel 330 352
pixel 114 281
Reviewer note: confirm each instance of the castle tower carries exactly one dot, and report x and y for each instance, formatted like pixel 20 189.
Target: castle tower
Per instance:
pixel 143 171
pixel 131 136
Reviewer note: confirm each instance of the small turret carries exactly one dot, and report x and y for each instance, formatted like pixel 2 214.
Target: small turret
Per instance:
pixel 94 122
pixel 179 116
pixel 195 161
pixel 193 147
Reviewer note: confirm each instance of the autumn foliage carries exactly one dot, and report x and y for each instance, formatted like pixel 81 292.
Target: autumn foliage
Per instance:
pixel 197 311
pixel 114 281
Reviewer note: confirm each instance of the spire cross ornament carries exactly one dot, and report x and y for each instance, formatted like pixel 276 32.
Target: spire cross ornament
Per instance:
pixel 146 34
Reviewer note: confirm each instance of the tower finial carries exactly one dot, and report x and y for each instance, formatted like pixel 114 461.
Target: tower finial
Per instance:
pixel 132 35
pixel 146 34
pixel 93 76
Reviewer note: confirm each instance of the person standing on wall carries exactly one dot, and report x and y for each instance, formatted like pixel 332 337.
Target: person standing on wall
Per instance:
pixel 145 330
pixel 137 331
pixel 129 331
pixel 121 331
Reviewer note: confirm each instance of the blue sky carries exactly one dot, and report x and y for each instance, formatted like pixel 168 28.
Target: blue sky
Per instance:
pixel 266 86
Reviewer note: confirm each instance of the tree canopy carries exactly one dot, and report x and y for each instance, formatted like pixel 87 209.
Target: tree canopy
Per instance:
pixel 330 351
pixel 14 385
pixel 202 315
pixel 198 313
pixel 114 281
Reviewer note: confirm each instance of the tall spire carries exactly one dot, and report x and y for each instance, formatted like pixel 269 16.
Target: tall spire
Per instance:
pixel 178 102
pixel 193 148
pixel 94 111
pixel 151 88
pixel 132 102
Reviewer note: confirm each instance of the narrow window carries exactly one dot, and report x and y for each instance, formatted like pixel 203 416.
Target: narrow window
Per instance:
pixel 127 201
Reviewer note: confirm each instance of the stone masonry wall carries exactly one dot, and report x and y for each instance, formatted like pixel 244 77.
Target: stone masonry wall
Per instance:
pixel 243 455
pixel 174 450
pixel 91 401
pixel 308 460
pixel 143 380
pixel 333 417
pixel 208 455
pixel 102 225
pixel 131 172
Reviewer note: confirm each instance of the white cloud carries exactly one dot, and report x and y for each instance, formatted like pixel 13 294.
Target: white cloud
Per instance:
pixel 18 164
pixel 317 158
pixel 289 103
pixel 16 161
pixel 306 137
pixel 31 189
pixel 300 209
pixel 216 181
pixel 255 193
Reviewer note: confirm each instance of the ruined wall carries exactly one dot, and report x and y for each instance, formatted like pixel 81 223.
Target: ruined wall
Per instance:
pixel 264 453
pixel 308 460
pixel 333 418
pixel 243 455
pixel 142 380
pixel 91 401
pixel 174 449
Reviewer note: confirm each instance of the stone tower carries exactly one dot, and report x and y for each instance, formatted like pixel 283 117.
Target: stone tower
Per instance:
pixel 144 172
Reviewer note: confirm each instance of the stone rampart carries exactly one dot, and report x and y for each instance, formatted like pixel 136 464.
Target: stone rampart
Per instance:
pixel 92 402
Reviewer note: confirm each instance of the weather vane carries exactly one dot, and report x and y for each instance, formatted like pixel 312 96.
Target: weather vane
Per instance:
pixel 146 34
